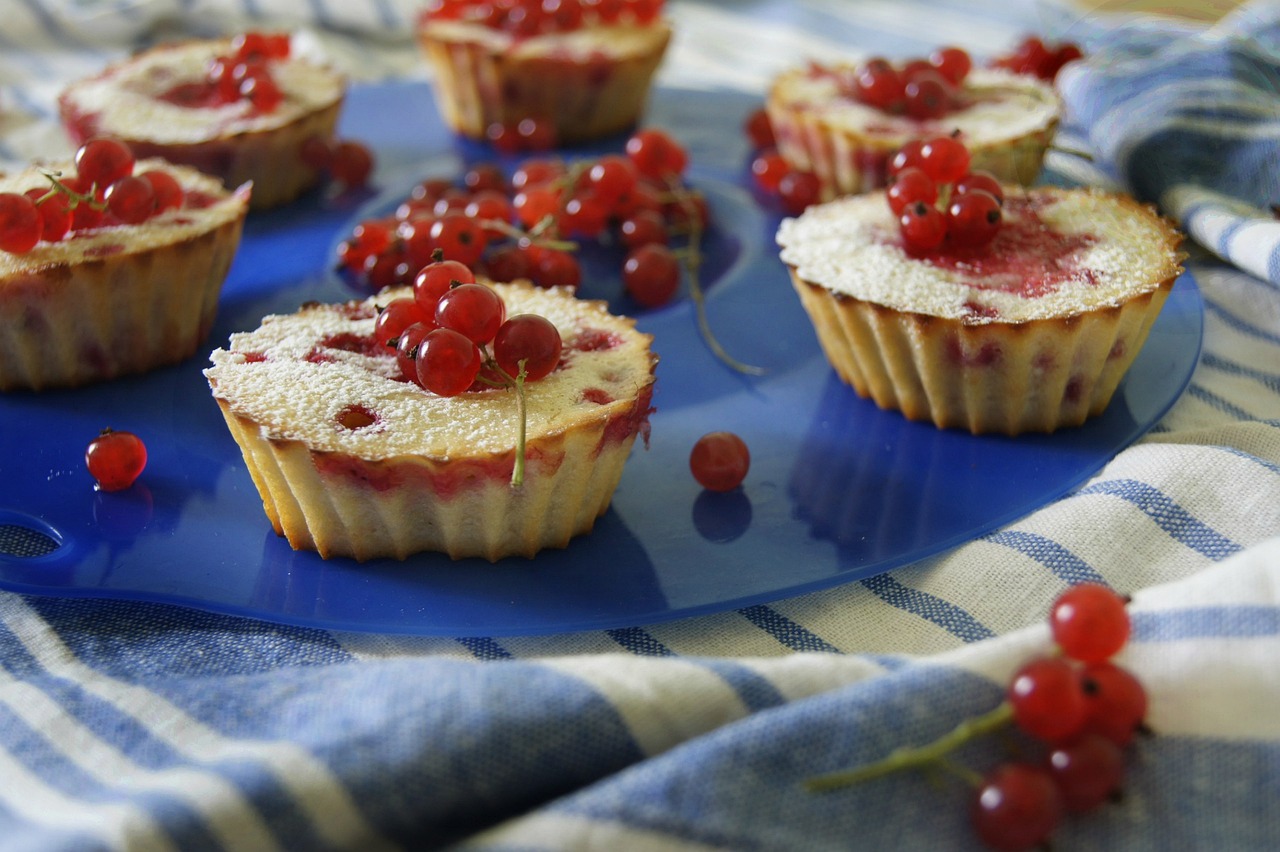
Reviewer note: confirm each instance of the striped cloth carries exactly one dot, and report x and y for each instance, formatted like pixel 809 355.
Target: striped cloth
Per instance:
pixel 144 726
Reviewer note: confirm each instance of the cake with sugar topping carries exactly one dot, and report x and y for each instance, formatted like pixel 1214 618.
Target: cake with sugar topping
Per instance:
pixel 167 102
pixel 1029 333
pixel 116 299
pixel 352 460
pixel 583 72
pixel 1006 120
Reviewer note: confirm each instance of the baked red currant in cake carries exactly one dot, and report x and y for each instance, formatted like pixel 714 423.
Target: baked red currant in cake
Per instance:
pixel 382 428
pixel 241 109
pixel 109 266
pixel 1016 313
pixel 528 75
pixel 845 122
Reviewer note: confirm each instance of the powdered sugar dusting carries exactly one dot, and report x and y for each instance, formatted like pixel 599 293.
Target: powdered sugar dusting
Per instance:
pixel 126 98
pixel 1001 106
pixel 1101 251
pixel 168 228
pixel 299 399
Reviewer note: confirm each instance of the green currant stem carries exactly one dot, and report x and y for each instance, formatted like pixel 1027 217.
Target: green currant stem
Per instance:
pixel 517 472
pixel 534 235
pixel 77 198
pixel 930 754
pixel 516 383
pixel 693 261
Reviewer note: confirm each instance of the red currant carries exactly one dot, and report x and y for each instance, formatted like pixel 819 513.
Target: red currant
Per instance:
pixel 435 279
pixel 1087 771
pixel 584 215
pixel 485 176
pixel 535 171
pixel 131 200
pixel 973 219
pixel 944 158
pixel 459 237
pixel 473 310
pixel 104 161
pixel 398 315
pixel 1017 807
pixel 554 268
pixel 923 227
pixel 651 275
pixel 352 163
pixel 759 130
pixel 719 461
pixel 907 155
pixel 1048 699
pixel 407 348
pixel 115 459
pixel 953 63
pixel 643 228
pixel 1089 622
pixel 911 186
pixel 168 193
pixel 260 89
pixel 656 154
pixel 447 362
pixel 1115 702
pixel 55 213
pixel 20 223
pixel 878 84
pixel 925 96
pixel 509 263
pixel 979 179
pixel 611 177
pixel 527 339
pixel 799 190
pixel 768 167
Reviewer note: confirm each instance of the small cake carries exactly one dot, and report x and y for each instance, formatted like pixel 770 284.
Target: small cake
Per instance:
pixel 109 299
pixel 823 125
pixel 583 72
pixel 1030 332
pixel 351 459
pixel 189 103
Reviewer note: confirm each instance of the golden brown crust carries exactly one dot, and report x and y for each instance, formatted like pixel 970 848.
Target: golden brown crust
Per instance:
pixel 70 323
pixel 847 161
pixel 988 375
pixel 478 85
pixel 429 478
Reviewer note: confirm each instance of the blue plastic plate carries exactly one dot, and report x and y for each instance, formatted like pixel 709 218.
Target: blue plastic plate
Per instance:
pixel 838 490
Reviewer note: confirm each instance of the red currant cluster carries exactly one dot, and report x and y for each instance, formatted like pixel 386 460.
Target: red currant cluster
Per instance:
pixel 345 160
pixel 921 88
pixel 795 189
pixel 115 459
pixel 1083 707
pixel 441 334
pixel 245 74
pixel 453 335
pixel 1033 56
pixel 519 228
pixel 534 17
pixel 938 199
pixel 104 192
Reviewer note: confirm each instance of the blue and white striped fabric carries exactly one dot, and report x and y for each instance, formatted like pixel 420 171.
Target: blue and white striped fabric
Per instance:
pixel 143 726
pixel 1192 121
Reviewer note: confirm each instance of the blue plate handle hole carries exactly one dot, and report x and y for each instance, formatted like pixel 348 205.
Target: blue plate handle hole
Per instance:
pixel 26 538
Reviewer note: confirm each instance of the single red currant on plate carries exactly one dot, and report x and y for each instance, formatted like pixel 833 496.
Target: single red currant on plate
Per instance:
pixel 719 461
pixel 115 459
